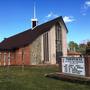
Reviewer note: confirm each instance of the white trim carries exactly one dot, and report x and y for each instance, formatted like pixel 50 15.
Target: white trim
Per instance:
pixel 42 54
pixel 34 19
pixel 49 44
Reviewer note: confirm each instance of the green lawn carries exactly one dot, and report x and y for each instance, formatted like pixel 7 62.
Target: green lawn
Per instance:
pixel 32 78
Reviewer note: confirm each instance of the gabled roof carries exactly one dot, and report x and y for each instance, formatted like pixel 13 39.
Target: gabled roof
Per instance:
pixel 28 36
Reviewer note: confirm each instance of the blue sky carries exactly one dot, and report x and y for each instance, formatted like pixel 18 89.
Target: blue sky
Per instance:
pixel 15 16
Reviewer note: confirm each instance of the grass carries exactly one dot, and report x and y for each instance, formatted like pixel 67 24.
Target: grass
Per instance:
pixel 32 78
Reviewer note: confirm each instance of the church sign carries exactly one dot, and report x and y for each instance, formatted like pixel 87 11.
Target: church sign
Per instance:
pixel 73 65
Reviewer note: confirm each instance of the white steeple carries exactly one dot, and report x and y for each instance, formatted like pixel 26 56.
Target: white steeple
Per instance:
pixel 34 19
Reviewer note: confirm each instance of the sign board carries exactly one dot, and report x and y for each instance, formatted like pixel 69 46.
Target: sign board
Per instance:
pixel 73 65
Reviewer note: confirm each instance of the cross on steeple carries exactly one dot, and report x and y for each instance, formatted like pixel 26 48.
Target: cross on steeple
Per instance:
pixel 34 19
pixel 34 11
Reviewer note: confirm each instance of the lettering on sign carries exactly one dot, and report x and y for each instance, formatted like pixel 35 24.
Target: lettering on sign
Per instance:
pixel 73 65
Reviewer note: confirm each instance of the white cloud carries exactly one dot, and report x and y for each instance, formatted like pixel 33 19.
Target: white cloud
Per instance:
pixel 51 15
pixel 87 4
pixel 84 14
pixel 85 7
pixel 68 19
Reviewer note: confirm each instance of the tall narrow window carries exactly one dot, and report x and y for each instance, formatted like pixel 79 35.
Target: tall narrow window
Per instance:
pixel 58 41
pixel 46 47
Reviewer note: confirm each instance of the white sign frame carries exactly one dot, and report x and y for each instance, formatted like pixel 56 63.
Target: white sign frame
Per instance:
pixel 73 65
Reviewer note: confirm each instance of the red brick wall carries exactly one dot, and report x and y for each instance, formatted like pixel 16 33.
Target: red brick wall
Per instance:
pixel 2 58
pixel 12 58
pixel 2 54
pixel 27 55
pixel 23 59
pixel 16 57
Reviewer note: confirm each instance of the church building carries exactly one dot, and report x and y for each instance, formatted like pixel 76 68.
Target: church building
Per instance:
pixel 42 44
